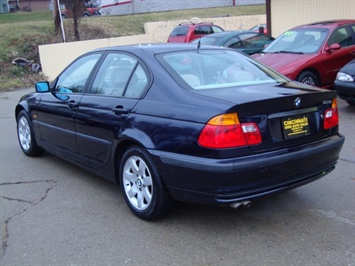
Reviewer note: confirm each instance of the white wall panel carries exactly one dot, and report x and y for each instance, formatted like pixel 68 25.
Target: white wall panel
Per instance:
pixel 286 14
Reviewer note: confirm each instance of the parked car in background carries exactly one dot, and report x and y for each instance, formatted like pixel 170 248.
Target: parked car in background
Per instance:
pixel 312 53
pixel 248 42
pixel 187 32
pixel 90 10
pixel 257 28
pixel 345 83
pixel 176 122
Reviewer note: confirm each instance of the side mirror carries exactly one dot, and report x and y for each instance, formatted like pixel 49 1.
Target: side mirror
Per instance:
pixel 333 47
pixel 42 86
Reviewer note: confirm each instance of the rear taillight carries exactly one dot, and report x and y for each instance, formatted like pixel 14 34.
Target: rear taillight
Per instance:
pixel 225 131
pixel 331 116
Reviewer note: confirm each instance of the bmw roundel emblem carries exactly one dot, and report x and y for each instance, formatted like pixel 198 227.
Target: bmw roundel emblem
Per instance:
pixel 297 102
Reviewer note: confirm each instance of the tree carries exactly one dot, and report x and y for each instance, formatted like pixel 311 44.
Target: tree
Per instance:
pixel 56 15
pixel 76 9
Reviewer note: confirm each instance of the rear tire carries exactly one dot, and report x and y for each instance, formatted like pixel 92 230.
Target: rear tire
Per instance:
pixel 142 187
pixel 26 136
pixel 309 78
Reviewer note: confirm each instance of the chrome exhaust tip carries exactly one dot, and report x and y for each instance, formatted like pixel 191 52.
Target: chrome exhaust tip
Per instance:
pixel 241 204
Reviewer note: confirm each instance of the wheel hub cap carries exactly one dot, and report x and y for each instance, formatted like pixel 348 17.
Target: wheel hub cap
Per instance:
pixel 139 183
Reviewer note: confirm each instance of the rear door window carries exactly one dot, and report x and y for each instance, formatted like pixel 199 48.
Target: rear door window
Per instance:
pixel 205 29
pixel 120 75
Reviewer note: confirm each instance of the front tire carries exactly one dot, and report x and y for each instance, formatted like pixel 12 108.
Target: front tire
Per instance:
pixel 142 187
pixel 309 78
pixel 26 136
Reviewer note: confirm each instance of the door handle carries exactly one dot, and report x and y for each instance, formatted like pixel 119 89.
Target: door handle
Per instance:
pixel 72 104
pixel 119 110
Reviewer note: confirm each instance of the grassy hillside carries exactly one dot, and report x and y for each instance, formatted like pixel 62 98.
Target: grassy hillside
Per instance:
pixel 21 33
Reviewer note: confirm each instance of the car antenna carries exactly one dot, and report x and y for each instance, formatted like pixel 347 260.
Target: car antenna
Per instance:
pixel 198 44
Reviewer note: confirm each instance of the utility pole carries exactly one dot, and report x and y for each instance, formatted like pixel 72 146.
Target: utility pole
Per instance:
pixel 58 20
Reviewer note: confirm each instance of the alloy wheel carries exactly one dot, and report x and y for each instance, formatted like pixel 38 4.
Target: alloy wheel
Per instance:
pixel 24 133
pixel 137 182
pixel 309 81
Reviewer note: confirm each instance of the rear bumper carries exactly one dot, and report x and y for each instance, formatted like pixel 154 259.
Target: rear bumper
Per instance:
pixel 220 182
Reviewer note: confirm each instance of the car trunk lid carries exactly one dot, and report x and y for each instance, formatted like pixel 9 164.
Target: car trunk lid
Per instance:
pixel 286 115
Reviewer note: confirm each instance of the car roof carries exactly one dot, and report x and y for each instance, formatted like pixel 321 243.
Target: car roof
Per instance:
pixel 228 33
pixel 329 24
pixel 193 23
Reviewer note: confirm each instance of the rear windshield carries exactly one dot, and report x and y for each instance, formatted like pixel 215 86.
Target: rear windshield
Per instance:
pixel 209 40
pixel 212 69
pixel 179 31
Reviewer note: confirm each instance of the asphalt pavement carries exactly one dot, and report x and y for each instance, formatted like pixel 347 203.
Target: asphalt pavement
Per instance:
pixel 54 213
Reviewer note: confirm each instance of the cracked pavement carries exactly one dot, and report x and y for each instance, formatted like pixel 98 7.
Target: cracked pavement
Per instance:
pixel 54 213
pixel 32 193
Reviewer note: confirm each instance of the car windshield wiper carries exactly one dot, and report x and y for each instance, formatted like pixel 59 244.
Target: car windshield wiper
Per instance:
pixel 287 52
pixel 280 52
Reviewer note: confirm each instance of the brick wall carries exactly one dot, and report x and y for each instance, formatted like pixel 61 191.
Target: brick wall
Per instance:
pixel 34 5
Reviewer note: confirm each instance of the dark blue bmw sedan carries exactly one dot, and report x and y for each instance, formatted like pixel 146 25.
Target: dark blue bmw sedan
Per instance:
pixel 179 122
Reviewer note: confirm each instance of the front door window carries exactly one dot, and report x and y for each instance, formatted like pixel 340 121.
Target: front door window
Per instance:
pixel 74 78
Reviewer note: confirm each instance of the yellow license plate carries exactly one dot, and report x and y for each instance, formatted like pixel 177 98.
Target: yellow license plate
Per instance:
pixel 295 127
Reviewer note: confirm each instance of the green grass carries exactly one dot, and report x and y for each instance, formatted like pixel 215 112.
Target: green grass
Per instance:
pixel 25 17
pixel 22 32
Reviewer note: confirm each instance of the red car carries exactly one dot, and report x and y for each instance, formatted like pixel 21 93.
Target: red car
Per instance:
pixel 187 32
pixel 90 10
pixel 312 53
pixel 257 28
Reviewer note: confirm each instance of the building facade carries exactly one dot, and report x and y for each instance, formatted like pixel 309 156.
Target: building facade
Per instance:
pixel 124 7
pixel 285 14
pixel 28 5
pixel 4 6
